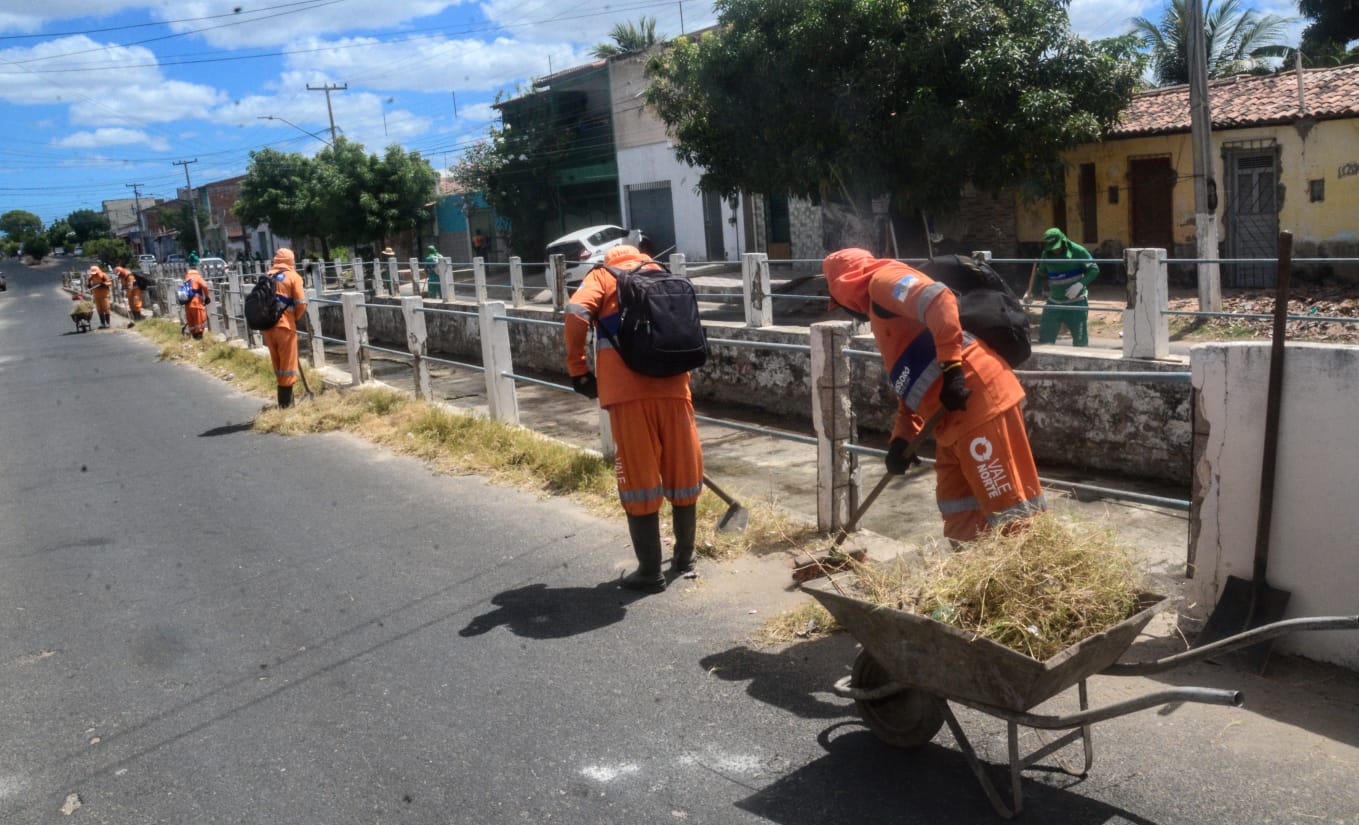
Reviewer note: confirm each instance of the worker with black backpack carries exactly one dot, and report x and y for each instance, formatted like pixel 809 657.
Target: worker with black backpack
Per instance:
pixel 274 306
pixel 647 338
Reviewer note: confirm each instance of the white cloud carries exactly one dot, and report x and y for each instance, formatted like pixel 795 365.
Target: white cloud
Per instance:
pixel 284 26
pixel 115 82
pixel 112 136
pixel 1095 19
pixel 32 15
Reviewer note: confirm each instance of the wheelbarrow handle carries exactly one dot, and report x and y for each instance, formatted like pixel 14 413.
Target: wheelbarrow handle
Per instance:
pixel 1240 640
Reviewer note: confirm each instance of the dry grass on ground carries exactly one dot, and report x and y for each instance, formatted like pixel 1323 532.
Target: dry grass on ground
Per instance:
pixel 452 441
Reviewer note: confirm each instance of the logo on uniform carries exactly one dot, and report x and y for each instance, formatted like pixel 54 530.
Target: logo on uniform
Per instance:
pixel 992 473
pixel 902 287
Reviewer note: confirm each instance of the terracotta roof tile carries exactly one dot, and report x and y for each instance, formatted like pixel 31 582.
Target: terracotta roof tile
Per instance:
pixel 1246 100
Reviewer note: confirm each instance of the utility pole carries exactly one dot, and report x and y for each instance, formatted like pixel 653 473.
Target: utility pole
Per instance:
pixel 328 88
pixel 193 204
pixel 137 198
pixel 1205 186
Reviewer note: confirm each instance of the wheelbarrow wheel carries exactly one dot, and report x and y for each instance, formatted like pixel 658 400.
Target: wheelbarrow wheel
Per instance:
pixel 907 719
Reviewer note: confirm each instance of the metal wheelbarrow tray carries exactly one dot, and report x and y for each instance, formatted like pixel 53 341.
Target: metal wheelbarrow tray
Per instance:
pixel 912 666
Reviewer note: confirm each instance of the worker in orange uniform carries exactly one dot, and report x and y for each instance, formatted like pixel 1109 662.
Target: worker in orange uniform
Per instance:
pixel 100 285
pixel 195 311
pixel 281 338
pixel 659 455
pixel 985 475
pixel 133 293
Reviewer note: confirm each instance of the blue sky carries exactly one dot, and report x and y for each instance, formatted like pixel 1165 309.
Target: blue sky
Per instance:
pixel 96 95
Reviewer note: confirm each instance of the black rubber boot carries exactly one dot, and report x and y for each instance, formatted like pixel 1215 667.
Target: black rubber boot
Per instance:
pixel 646 544
pixel 285 397
pixel 685 524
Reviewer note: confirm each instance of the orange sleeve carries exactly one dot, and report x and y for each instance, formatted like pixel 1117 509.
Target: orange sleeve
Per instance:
pixel 298 294
pixel 908 424
pixel 581 313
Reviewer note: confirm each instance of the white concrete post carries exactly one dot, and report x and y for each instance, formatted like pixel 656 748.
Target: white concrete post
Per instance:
pixel 356 337
pixel 412 311
pixel 233 300
pixel 833 421
pixel 1146 327
pixel 755 289
pixel 394 276
pixel 445 269
pixel 607 446
pixel 318 347
pixel 516 281
pixel 556 281
pixel 360 275
pixel 497 358
pixel 214 323
pixel 678 264
pixel 416 276
pixel 479 278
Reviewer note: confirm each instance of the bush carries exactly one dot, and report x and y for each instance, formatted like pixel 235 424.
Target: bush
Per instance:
pixel 113 251
pixel 37 246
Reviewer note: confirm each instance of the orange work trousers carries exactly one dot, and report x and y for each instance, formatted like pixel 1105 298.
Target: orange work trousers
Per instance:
pixel 134 301
pixel 659 455
pixel 282 342
pixel 987 477
pixel 102 297
pixel 195 316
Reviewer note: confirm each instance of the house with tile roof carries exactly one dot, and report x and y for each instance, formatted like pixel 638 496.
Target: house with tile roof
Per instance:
pixel 1285 156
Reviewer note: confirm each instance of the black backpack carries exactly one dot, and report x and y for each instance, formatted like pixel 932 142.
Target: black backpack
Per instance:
pixel 659 331
pixel 987 307
pixel 141 280
pixel 262 307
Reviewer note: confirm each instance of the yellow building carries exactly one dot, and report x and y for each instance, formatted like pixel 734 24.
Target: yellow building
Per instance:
pixel 1285 156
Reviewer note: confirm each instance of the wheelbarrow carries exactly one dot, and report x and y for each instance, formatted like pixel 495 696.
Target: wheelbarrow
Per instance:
pixel 911 667
pixel 82 320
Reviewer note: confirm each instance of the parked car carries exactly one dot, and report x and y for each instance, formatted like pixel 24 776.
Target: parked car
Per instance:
pixel 79 251
pixel 174 258
pixel 585 248
pixel 145 262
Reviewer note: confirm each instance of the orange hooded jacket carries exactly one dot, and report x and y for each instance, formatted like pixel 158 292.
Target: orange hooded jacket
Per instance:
pixel 915 321
pixel 595 304
pixel 289 289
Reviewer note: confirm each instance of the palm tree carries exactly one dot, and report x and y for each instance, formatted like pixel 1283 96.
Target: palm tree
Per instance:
pixel 628 39
pixel 1238 40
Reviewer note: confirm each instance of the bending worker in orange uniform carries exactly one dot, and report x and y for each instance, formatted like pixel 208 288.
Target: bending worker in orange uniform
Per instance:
pixel 659 455
pixel 195 311
pixel 281 338
pixel 133 293
pixel 100 286
pixel 985 475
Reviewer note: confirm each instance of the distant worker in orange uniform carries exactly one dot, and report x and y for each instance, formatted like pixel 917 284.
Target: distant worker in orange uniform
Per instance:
pixel 195 311
pixel 100 285
pixel 659 455
pixel 133 293
pixel 281 338
pixel 985 475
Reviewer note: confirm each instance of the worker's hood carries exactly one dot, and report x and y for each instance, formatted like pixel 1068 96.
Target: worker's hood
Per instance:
pixel 1053 240
pixel 624 257
pixel 848 272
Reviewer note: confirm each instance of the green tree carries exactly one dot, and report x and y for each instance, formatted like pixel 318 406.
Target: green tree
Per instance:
pixel 61 234
pixel 88 224
pixel 1334 24
pixel 1239 40
pixel 347 196
pixel 20 225
pixel 279 189
pixel 847 100
pixel 629 39
pixel 177 217
pixel 112 251
pixel 404 183
pixel 36 246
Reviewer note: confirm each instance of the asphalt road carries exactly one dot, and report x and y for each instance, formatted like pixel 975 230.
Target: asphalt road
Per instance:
pixel 199 624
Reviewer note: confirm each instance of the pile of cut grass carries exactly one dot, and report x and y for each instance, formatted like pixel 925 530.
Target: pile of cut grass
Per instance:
pixel 1037 590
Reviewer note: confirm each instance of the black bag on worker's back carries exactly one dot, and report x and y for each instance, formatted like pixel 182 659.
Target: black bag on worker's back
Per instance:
pixel 141 280
pixel 987 307
pixel 262 307
pixel 659 331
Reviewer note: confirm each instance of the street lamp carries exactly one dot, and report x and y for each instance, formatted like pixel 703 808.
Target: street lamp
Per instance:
pixel 295 126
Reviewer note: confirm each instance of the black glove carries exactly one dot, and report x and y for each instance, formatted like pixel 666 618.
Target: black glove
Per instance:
pixel 585 385
pixel 953 394
pixel 897 460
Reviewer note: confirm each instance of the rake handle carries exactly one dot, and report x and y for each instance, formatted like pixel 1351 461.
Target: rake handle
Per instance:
pixel 911 449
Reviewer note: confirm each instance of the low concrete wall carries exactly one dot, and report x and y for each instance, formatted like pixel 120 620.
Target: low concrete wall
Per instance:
pixel 1312 535
pixel 1139 430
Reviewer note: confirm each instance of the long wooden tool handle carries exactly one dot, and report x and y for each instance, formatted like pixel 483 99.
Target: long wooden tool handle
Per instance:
pixel 1274 401
pixel 708 482
pixel 911 449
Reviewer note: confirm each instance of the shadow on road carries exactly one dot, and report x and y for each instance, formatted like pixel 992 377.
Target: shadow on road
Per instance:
pixel 227 429
pixel 537 611
pixel 862 780
pixel 790 679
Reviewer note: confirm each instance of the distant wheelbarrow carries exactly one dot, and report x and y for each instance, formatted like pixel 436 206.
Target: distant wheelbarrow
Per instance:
pixel 82 320
pixel 911 667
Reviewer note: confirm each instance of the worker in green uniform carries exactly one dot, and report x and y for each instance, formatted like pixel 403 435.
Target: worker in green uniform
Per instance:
pixel 1068 269
pixel 432 272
